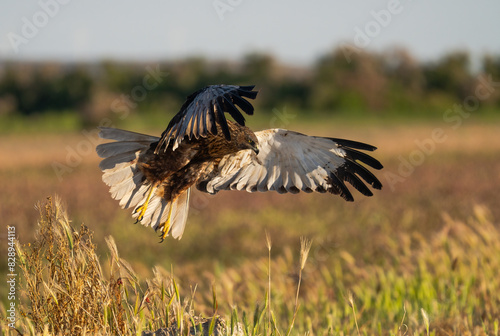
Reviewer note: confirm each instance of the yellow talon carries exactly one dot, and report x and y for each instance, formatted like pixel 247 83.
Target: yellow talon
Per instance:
pixel 165 226
pixel 142 209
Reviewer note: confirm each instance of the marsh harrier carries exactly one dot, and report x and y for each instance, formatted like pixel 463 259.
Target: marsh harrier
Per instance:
pixel 154 175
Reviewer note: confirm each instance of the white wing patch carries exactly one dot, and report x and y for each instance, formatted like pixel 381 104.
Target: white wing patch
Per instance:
pixel 292 162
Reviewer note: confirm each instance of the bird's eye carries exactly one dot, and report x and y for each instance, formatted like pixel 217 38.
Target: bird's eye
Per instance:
pixel 250 141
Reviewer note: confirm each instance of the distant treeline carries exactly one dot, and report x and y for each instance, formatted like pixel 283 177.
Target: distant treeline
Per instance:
pixel 364 82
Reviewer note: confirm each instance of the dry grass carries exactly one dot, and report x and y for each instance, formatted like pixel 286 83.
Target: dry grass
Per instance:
pixel 440 285
pixel 64 290
pixel 64 283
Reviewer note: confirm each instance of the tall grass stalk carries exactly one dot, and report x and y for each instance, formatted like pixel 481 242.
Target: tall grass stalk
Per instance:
pixel 269 303
pixel 425 317
pixel 305 247
pixel 350 299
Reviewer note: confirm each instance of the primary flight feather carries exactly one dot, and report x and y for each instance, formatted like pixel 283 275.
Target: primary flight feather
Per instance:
pixel 200 147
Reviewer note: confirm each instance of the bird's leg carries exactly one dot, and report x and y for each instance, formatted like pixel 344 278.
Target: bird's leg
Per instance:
pixel 165 226
pixel 142 209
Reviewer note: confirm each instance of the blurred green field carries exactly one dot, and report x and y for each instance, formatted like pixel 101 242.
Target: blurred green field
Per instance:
pixel 429 240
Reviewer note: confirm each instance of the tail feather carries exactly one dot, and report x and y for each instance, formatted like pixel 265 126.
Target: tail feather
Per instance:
pixel 158 210
pixel 180 214
pixel 160 215
pixel 129 186
pixel 154 204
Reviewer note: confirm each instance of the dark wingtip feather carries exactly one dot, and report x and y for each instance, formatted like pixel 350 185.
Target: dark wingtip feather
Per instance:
pixel 243 104
pixel 338 187
pixel 213 126
pixel 362 172
pixel 365 158
pixel 347 173
pixel 247 91
pixel 352 170
pixel 232 110
pixel 247 87
pixel 353 144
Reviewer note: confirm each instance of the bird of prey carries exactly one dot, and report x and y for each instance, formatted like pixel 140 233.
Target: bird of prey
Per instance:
pixel 201 148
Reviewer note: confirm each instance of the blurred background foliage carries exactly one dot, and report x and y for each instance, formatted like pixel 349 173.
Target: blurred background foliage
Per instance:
pixel 359 83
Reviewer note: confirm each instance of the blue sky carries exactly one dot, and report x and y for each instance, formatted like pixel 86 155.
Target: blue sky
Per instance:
pixel 295 31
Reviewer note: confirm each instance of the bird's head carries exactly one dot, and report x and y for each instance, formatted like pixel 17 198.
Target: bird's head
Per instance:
pixel 253 143
pixel 248 140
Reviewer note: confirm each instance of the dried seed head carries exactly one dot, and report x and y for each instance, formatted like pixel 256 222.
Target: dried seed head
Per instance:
pixel 350 299
pixel 425 317
pixel 305 246
pixel 268 241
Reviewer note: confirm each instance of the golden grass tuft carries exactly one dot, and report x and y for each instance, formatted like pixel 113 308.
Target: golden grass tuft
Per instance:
pixel 65 290
pixel 64 285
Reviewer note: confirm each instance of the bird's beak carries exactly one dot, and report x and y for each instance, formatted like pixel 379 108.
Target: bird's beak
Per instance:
pixel 256 150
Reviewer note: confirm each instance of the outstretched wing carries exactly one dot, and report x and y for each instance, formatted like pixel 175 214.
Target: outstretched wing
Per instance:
pixel 292 162
pixel 204 109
